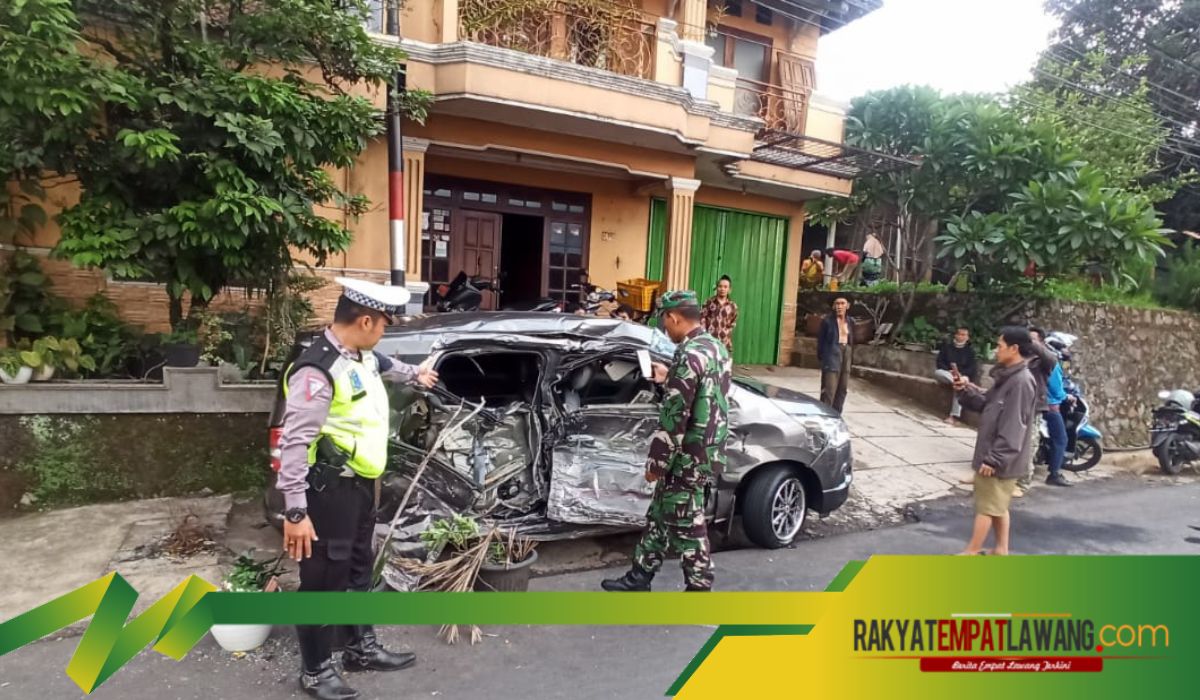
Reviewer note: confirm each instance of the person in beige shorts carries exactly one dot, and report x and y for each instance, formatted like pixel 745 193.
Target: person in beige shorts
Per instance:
pixel 1002 448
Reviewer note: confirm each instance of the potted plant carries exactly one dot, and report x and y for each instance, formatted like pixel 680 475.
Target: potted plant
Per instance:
pixel 247 576
pixel 47 354
pixel 12 369
pixel 919 335
pixel 508 565
pixel 180 348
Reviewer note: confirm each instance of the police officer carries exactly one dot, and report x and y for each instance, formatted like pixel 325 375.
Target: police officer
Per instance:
pixel 687 450
pixel 334 447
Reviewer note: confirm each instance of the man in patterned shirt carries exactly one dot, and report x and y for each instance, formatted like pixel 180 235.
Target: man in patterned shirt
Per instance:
pixel 720 314
pixel 686 452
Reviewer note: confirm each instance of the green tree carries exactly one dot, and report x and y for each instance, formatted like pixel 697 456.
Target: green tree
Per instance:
pixel 1108 124
pixel 50 96
pixel 973 154
pixel 1150 43
pixel 232 116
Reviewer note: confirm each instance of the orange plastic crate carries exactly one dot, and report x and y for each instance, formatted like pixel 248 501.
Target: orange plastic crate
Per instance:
pixel 638 293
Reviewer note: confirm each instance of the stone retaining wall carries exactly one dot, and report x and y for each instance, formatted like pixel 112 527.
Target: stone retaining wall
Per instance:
pixel 71 443
pixel 1123 358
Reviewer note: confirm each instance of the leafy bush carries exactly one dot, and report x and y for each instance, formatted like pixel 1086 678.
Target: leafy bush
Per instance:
pixel 919 331
pixel 101 334
pixel 1180 286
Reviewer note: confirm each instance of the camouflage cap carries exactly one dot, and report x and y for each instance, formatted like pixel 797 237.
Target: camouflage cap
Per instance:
pixel 680 299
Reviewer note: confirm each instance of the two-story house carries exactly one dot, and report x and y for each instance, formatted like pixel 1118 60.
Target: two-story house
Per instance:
pixel 614 139
pixel 675 140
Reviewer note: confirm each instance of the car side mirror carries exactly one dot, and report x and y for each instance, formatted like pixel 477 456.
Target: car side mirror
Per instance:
pixel 645 364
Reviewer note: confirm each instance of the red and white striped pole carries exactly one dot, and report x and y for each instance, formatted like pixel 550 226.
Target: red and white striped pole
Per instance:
pixel 395 102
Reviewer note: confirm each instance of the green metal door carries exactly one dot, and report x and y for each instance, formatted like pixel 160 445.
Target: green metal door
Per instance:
pixel 750 248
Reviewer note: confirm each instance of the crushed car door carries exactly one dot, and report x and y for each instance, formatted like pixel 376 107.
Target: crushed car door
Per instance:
pixel 609 411
pixel 495 452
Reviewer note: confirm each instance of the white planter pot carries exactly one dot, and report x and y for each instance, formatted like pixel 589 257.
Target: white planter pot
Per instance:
pixel 44 374
pixel 22 376
pixel 240 637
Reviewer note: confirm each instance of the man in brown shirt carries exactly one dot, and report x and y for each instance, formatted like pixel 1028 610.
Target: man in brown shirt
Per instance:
pixel 720 314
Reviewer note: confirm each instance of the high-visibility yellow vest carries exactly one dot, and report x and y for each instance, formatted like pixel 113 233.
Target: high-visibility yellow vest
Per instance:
pixel 358 414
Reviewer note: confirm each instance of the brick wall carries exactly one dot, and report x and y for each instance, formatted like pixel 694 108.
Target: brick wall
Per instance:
pixel 146 305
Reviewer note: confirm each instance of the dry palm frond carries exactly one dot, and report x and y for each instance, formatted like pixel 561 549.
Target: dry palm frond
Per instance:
pixel 451 425
pixel 456 574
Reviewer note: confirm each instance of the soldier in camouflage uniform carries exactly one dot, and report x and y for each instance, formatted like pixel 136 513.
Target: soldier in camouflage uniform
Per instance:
pixel 686 452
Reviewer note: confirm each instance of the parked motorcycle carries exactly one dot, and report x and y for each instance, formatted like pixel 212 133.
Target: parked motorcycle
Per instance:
pixel 1175 430
pixel 1084 448
pixel 465 293
pixel 596 297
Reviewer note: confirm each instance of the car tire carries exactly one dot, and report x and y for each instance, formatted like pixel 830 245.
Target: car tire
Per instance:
pixel 773 492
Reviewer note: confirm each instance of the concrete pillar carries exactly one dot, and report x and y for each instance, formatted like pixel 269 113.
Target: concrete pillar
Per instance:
pixel 831 234
pixel 414 201
pixel 559 46
pixel 693 15
pixel 667 60
pixel 678 260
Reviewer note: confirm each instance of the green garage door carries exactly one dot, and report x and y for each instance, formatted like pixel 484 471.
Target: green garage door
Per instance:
pixel 751 249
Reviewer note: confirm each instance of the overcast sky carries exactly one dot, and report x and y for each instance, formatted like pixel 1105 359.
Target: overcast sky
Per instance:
pixel 953 45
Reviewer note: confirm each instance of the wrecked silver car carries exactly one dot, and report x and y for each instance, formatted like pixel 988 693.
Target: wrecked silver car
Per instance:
pixel 559 447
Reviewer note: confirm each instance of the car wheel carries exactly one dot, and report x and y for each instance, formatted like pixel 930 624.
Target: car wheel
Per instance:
pixel 774 508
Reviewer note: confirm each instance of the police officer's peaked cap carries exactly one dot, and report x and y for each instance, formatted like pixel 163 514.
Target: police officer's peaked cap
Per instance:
pixel 386 299
pixel 681 299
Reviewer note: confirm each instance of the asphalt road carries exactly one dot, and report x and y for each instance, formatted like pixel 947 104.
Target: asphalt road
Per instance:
pixel 1123 515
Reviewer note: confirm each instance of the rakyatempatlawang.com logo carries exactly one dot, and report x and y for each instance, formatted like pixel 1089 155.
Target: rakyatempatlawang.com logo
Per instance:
pixel 1008 642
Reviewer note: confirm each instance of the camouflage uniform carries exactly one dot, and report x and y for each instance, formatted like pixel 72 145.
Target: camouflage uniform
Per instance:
pixel 685 453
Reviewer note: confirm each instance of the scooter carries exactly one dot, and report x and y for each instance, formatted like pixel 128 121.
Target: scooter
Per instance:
pixel 465 293
pixel 595 297
pixel 1175 430
pixel 1084 448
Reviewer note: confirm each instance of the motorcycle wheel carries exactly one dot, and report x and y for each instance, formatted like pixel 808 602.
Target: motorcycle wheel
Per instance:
pixel 1087 455
pixel 1168 461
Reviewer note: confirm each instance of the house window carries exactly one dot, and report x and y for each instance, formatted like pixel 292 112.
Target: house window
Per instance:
pixel 733 8
pixel 435 245
pixel 763 15
pixel 566 260
pixel 748 54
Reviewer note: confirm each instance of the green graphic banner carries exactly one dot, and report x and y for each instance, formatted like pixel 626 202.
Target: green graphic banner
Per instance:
pixel 953 627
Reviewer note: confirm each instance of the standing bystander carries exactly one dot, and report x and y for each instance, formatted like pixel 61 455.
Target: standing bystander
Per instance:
pixel 1002 447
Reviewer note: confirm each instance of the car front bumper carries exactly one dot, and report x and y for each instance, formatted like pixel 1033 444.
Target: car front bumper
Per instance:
pixel 836 476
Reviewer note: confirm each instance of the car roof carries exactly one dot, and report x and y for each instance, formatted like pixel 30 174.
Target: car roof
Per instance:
pixel 415 334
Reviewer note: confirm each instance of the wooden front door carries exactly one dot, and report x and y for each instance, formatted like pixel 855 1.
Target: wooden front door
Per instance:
pixel 480 254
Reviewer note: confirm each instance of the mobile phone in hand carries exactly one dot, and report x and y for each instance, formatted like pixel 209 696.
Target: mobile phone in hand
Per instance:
pixel 954 370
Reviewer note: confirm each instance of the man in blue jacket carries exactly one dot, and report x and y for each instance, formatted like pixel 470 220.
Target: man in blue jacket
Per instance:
pixel 1055 396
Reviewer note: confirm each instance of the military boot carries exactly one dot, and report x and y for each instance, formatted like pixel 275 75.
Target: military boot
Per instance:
pixel 697 589
pixel 636 579
pixel 318 678
pixel 365 653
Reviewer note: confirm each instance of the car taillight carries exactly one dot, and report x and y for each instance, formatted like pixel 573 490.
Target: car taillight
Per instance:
pixel 274 436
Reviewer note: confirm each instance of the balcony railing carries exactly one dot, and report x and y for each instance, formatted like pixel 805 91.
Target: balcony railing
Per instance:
pixel 605 35
pixel 780 108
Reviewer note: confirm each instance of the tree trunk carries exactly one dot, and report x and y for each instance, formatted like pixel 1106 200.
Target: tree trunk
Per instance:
pixel 176 311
